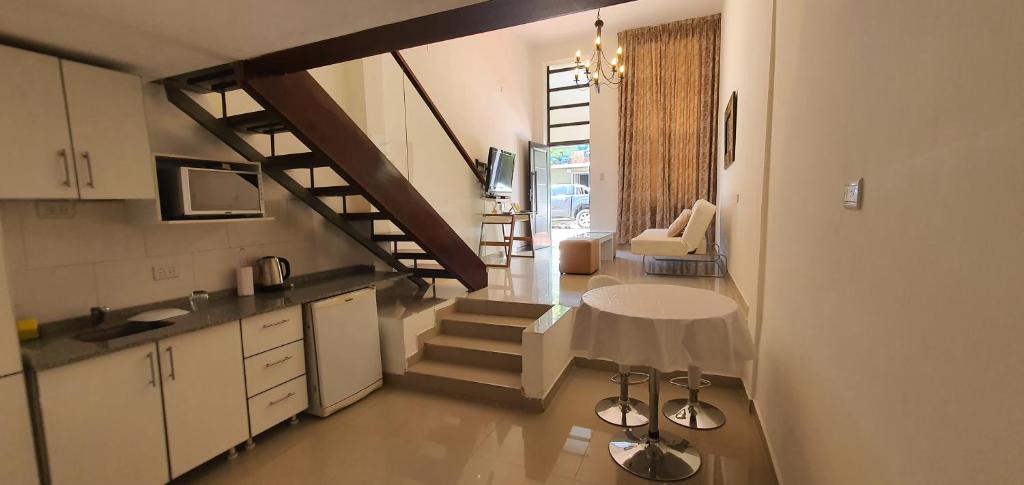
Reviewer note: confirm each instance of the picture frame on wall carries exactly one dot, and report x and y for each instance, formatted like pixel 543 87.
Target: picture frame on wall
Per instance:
pixel 730 130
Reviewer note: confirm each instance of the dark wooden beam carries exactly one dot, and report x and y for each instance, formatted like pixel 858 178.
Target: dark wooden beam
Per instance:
pixel 437 115
pixel 451 24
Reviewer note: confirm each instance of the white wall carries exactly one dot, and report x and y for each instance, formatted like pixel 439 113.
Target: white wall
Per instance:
pixel 745 68
pixel 891 346
pixel 104 255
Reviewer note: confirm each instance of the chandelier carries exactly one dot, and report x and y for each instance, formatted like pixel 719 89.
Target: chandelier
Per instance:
pixel 598 70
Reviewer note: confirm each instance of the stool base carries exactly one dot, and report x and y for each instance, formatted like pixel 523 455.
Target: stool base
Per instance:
pixel 666 459
pixel 700 416
pixel 627 414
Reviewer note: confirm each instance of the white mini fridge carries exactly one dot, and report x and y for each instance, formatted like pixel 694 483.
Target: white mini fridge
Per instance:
pixel 342 350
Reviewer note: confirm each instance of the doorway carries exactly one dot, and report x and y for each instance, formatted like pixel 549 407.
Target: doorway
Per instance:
pixel 568 134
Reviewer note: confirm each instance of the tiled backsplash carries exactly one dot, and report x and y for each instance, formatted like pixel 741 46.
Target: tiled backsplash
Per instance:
pixel 105 256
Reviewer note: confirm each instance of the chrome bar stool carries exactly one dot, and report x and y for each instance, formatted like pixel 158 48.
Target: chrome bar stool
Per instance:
pixel 655 455
pixel 692 412
pixel 623 410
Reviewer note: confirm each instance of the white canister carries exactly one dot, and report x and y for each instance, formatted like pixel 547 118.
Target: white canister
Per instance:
pixel 243 276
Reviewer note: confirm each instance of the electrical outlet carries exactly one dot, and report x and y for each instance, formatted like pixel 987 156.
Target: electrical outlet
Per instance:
pixel 852 194
pixel 165 271
pixel 55 209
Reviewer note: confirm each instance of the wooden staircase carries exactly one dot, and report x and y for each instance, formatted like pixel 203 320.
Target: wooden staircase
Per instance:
pixel 426 246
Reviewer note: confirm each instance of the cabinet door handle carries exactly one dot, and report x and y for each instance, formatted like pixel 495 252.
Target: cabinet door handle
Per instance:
pixel 88 166
pixel 152 369
pixel 290 394
pixel 63 154
pixel 271 364
pixel 170 354
pixel 268 325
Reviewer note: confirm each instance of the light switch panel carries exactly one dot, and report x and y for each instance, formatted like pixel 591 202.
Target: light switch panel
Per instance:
pixel 165 271
pixel 55 209
pixel 852 194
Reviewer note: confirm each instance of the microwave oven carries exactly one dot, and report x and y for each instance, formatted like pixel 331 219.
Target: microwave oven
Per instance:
pixel 228 190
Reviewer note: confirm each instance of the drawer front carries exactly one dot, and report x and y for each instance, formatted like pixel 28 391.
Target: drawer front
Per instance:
pixel 277 404
pixel 274 367
pixel 264 332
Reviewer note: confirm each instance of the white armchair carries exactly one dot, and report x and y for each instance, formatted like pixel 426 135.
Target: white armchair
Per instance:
pixel 689 249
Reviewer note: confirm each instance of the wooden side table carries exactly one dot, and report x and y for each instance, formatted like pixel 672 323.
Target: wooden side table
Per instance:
pixel 508 224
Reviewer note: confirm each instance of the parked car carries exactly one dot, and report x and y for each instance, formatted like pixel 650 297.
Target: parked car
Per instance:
pixel 571 201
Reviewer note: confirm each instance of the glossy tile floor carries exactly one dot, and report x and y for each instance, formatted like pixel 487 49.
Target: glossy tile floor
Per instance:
pixel 537 280
pixel 399 437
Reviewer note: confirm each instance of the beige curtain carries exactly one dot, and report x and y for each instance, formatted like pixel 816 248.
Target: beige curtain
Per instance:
pixel 668 118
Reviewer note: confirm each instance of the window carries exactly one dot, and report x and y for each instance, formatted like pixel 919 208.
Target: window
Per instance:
pixel 568 117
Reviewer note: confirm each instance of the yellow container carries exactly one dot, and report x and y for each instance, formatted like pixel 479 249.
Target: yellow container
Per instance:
pixel 28 329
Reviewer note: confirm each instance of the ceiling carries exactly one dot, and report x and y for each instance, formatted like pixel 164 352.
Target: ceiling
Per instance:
pixel 639 13
pixel 163 38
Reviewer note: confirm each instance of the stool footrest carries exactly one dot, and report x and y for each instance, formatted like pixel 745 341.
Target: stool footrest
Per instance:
pixel 684 382
pixel 641 377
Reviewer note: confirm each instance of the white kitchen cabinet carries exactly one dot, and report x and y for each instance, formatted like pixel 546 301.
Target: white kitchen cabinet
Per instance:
pixel 108 128
pixel 17 452
pixel 204 394
pixel 103 419
pixel 37 160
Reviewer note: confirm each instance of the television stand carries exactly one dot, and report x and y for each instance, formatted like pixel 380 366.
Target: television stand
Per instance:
pixel 507 223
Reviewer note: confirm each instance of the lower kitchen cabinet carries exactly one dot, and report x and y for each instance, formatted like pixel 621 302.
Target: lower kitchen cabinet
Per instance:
pixel 103 419
pixel 204 395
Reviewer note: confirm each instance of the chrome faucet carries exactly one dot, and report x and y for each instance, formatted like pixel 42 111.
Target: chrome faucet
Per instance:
pixel 98 313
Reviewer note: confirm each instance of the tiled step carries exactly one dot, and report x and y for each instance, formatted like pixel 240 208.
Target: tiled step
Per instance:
pixel 494 354
pixel 465 381
pixel 479 325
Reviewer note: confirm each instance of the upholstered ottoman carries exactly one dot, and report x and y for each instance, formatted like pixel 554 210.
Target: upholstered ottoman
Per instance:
pixel 579 256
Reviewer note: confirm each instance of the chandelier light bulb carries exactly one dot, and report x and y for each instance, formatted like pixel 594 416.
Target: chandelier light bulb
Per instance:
pixel 617 51
pixel 615 61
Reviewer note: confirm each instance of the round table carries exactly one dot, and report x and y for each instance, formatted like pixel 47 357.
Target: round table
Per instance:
pixel 665 328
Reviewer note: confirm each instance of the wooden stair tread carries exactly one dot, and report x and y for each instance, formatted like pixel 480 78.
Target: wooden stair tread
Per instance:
pixel 420 255
pixel 209 80
pixel 294 161
pixel 476 343
pixel 263 122
pixel 432 273
pixel 480 375
pixel 486 319
pixel 393 237
pixel 364 216
pixel 336 191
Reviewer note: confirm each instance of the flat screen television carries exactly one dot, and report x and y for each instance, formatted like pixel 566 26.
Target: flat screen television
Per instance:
pixel 500 168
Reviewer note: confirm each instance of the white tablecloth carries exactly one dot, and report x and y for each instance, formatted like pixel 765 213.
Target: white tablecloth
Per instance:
pixel 662 326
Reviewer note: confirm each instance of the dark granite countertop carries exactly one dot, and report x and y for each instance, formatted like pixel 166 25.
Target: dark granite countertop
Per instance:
pixel 57 345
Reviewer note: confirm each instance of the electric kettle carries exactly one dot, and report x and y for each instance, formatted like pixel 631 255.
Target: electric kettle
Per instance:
pixel 270 272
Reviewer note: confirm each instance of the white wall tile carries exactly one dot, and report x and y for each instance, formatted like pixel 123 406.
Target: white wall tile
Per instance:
pixel 14 245
pixel 167 239
pixel 130 282
pixel 241 234
pixel 99 231
pixel 215 270
pixel 54 293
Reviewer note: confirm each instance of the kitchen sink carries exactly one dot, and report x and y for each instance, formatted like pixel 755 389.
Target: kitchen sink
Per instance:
pixel 118 331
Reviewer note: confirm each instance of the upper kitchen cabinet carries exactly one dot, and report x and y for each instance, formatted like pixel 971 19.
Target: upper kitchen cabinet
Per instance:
pixel 71 131
pixel 36 161
pixel 108 128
